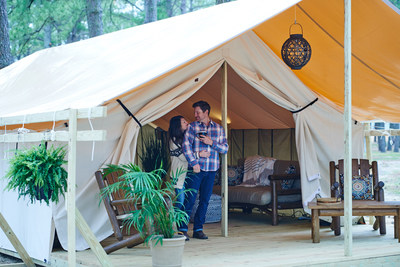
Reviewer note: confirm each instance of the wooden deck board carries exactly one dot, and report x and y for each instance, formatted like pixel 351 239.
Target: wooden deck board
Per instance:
pixel 252 241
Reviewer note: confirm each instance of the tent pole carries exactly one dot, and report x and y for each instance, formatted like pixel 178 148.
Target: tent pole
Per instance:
pixel 71 187
pixel 224 167
pixel 348 237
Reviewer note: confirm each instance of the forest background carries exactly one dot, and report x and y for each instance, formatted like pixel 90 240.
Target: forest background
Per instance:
pixel 27 26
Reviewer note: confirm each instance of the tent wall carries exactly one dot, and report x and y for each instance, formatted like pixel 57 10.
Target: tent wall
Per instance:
pixel 275 143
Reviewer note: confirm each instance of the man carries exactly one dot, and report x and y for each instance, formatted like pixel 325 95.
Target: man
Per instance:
pixel 202 134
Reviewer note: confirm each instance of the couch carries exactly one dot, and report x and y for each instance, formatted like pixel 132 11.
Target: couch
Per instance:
pixel 282 191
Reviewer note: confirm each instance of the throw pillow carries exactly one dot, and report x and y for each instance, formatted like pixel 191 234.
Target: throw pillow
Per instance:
pixel 288 184
pixel 257 169
pixel 235 175
pixel 362 186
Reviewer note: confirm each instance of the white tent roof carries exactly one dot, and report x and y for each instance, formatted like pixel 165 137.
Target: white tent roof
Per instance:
pixel 90 72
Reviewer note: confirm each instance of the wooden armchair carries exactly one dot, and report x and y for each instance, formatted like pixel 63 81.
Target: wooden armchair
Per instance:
pixel 117 208
pixel 359 168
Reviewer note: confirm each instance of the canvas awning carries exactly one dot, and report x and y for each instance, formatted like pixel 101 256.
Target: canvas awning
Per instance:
pixel 375 50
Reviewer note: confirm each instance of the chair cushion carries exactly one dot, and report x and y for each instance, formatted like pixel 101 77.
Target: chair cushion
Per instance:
pixel 362 186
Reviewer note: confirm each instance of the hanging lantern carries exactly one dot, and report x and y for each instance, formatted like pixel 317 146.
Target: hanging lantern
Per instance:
pixel 296 51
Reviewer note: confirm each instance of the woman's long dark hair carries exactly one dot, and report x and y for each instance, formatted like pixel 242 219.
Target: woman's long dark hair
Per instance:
pixel 175 130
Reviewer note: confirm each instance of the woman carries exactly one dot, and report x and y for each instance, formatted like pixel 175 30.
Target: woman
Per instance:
pixel 179 164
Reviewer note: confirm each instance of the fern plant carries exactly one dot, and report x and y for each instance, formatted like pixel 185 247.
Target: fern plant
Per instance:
pixel 38 173
pixel 155 215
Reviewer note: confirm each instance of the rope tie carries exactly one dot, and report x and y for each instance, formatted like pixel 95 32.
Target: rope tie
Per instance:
pixel 52 132
pixel 91 126
pixel 22 131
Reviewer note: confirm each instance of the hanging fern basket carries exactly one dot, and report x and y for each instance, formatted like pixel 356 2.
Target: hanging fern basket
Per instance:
pixel 38 173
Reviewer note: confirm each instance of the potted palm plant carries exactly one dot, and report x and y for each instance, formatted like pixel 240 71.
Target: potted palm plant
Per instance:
pixel 38 173
pixel 155 217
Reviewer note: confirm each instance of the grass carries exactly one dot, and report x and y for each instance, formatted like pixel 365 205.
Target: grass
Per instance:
pixel 389 171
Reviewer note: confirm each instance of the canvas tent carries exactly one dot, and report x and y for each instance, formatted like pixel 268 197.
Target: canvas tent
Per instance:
pixel 160 69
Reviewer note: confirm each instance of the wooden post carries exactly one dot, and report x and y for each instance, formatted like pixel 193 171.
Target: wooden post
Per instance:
pixel 371 219
pixel 71 218
pixel 15 242
pixel 348 237
pixel 224 167
pixel 368 142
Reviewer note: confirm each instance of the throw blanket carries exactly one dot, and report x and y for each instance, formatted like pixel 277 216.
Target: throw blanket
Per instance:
pixel 256 171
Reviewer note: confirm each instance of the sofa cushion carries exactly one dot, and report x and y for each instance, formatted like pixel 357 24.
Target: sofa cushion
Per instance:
pixel 258 195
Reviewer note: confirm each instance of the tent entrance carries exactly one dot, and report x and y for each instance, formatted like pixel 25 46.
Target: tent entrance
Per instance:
pixel 256 125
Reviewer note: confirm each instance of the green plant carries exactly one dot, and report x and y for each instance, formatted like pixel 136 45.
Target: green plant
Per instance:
pixel 156 215
pixel 154 154
pixel 38 173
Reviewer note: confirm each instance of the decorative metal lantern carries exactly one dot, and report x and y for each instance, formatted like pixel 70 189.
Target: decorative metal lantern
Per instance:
pixel 296 51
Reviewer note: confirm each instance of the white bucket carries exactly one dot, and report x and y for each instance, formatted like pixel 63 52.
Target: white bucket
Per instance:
pixel 170 253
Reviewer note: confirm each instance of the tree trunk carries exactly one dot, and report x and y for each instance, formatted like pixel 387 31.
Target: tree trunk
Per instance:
pixel 150 9
pixel 5 51
pixel 381 139
pixel 169 7
pixel 183 7
pixel 94 14
pixel 190 5
pixel 217 2
pixel 395 139
pixel 47 35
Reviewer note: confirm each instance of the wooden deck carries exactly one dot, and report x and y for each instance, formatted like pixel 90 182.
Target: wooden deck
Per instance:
pixel 253 241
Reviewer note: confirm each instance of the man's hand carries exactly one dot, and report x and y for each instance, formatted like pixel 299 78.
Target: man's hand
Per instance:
pixel 204 154
pixel 196 168
pixel 206 140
